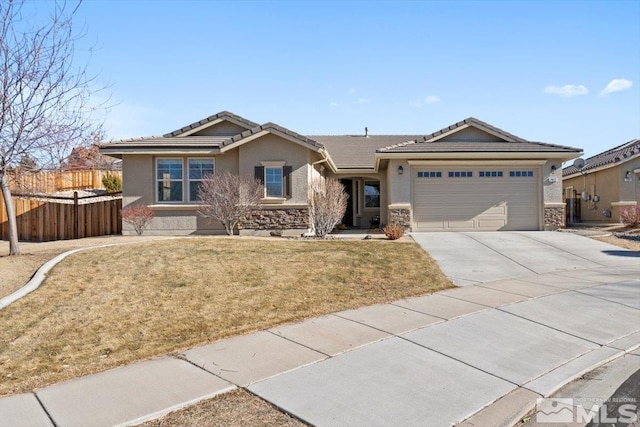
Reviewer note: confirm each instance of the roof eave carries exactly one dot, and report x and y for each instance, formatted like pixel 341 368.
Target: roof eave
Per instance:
pixel 601 167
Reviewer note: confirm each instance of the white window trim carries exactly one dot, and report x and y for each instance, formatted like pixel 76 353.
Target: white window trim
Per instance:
pixel 273 164
pixel 189 180
pixel 156 180
pixel 281 196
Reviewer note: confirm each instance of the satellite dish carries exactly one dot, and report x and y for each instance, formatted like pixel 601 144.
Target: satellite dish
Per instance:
pixel 578 163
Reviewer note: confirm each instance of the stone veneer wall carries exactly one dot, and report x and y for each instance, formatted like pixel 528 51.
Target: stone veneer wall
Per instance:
pixel 277 219
pixel 401 217
pixel 554 218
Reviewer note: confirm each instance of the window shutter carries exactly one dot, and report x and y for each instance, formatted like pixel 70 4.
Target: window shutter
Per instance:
pixel 286 180
pixel 259 171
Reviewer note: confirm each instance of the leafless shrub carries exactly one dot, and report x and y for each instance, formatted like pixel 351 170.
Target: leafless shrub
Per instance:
pixel 630 215
pixel 229 198
pixel 139 216
pixel 393 231
pixel 327 204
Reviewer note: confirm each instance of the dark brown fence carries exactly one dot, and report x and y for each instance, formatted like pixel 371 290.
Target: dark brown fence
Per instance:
pixel 62 218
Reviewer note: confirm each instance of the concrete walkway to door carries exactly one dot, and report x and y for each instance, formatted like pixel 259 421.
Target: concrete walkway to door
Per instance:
pixel 472 258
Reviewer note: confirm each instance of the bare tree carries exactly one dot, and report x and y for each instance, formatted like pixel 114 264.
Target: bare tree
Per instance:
pixel 229 198
pixel 44 98
pixel 327 204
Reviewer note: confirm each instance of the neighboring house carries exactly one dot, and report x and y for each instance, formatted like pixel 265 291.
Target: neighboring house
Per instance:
pixel 468 176
pixel 607 181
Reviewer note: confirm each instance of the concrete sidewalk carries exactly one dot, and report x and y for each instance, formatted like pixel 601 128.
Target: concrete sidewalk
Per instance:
pixel 485 351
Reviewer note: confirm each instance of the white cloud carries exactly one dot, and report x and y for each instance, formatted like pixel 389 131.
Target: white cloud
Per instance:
pixel 567 91
pixel 333 104
pixel 352 91
pixel 361 101
pixel 616 85
pixel 431 99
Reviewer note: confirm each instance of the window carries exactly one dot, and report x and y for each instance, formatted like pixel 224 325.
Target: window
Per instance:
pixel 490 174
pixel 520 173
pixel 429 174
pixel 169 180
pixel 462 174
pixel 273 181
pixel 371 194
pixel 198 170
pixel 276 179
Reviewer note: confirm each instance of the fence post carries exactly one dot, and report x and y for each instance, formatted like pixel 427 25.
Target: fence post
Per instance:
pixel 75 215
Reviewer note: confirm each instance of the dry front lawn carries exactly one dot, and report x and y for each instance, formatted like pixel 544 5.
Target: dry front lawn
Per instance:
pixel 107 307
pixel 238 408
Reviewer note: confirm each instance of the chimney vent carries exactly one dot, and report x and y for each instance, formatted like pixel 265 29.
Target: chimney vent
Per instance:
pixel 366 132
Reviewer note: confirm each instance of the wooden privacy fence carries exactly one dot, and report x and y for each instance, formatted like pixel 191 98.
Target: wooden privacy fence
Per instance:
pixel 52 181
pixel 62 218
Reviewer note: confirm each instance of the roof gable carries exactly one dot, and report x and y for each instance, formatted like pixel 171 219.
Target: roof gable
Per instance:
pixel 201 126
pixel 462 131
pixel 270 128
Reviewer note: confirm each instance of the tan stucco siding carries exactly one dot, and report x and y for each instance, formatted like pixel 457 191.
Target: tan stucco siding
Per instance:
pixel 272 148
pixel 630 190
pixel 175 221
pixel 221 129
pixel 137 181
pixel 399 185
pixel 470 134
pixel 552 182
pixel 610 186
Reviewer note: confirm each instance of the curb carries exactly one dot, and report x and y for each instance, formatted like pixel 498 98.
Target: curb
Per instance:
pixel 41 274
pixel 511 408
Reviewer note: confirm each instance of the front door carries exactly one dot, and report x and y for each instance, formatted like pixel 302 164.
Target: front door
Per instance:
pixel 348 214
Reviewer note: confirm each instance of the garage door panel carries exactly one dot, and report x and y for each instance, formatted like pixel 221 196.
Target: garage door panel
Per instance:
pixel 475 203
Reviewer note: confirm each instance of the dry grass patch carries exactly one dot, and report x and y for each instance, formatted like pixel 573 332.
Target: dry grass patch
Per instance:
pixel 235 409
pixel 633 245
pixel 107 307
pixel 17 270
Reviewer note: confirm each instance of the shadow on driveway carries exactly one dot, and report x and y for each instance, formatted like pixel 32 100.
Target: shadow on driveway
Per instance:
pixel 632 254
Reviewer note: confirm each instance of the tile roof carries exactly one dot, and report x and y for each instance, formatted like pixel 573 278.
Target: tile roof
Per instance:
pixel 221 115
pixel 272 126
pixel 426 144
pixel 357 151
pixel 471 121
pixel 615 155
pixel 477 147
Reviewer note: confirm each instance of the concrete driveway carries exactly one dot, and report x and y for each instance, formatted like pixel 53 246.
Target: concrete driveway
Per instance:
pixel 472 258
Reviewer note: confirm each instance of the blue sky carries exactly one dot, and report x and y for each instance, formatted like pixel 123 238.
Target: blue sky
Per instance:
pixel 537 69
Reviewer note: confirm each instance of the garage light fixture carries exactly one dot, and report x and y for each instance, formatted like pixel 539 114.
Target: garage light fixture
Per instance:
pixel 627 176
pixel 400 170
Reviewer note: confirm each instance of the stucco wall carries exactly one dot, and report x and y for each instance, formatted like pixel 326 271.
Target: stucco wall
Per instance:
pixel 630 190
pixel 272 148
pixel 470 134
pixel 137 180
pixel 221 129
pixel 552 191
pixel 399 185
pixel 610 186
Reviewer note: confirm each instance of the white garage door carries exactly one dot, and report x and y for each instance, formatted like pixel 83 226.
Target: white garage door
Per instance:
pixel 467 199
